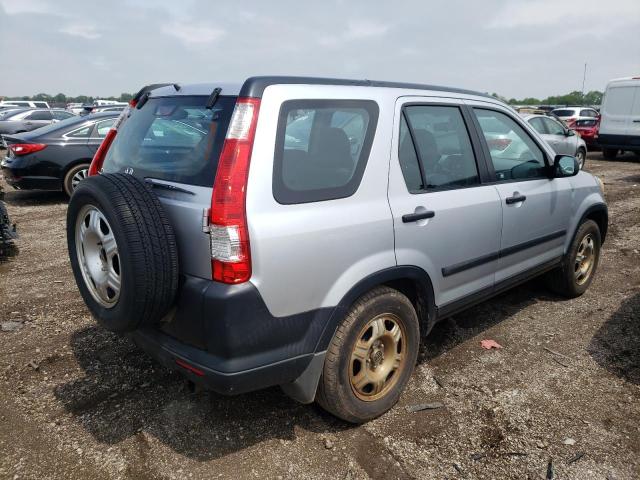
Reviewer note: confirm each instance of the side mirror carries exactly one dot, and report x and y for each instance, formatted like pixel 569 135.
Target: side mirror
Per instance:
pixel 569 132
pixel 565 166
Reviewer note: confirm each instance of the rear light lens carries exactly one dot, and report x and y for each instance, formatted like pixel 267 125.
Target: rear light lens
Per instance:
pixel 101 153
pixel 20 149
pixel 230 251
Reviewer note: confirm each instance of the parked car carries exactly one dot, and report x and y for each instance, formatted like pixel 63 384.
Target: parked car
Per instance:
pixel 75 108
pixel 7 231
pixel 10 110
pixel 568 114
pixel 56 157
pixel 620 122
pixel 563 140
pixel 247 248
pixel 19 121
pixel 588 131
pixel 25 103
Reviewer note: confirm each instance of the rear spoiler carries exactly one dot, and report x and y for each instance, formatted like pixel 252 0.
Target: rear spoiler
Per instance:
pixel 148 88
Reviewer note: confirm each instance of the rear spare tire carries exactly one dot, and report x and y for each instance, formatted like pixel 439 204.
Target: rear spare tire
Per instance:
pixel 123 251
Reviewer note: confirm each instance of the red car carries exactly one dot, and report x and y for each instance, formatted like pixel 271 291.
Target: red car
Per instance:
pixel 588 130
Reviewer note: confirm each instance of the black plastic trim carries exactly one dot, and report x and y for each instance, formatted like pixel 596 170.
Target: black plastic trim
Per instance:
pixel 456 306
pixel 255 86
pixel 623 142
pixel 598 207
pixel 476 262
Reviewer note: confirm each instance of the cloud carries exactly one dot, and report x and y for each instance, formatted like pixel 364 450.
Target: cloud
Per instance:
pixel 14 7
pixel 193 34
pixel 543 13
pixel 87 31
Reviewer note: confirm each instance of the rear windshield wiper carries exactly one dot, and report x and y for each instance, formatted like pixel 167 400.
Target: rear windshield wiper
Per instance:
pixel 211 101
pixel 167 186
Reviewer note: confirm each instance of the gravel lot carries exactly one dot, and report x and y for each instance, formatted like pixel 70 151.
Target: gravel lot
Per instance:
pixel 79 402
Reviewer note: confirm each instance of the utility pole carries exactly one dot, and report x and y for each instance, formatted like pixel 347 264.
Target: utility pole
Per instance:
pixel 584 76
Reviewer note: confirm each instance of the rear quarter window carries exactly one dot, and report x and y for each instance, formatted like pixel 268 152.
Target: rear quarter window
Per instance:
pixel 176 139
pixel 322 147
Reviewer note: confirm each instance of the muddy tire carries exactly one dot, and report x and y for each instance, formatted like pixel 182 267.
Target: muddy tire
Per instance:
pixel 74 176
pixel 371 357
pixel 123 251
pixel 580 264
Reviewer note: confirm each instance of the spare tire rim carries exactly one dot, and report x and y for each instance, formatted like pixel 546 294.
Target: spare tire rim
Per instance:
pixel 377 357
pixel 98 257
pixel 585 259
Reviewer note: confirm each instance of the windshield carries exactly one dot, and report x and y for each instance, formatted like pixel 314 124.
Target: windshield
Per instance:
pixel 172 138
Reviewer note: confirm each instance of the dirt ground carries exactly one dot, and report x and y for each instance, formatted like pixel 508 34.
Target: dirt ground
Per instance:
pixel 77 402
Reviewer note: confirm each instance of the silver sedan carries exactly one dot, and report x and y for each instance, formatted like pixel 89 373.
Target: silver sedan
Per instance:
pixel 563 140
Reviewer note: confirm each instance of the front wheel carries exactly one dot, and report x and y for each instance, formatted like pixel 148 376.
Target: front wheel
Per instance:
pixel 581 156
pixel 371 357
pixel 579 266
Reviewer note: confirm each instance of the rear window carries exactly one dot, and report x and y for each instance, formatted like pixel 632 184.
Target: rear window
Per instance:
pixel 586 123
pixel 176 139
pixel 322 148
pixel 563 113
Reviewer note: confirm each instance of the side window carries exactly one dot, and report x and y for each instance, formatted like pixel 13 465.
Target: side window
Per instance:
pixel 103 127
pixel 322 147
pixel 437 138
pixel 60 115
pixel 81 132
pixel 514 154
pixel 40 104
pixel 538 125
pixel 40 115
pixel 553 127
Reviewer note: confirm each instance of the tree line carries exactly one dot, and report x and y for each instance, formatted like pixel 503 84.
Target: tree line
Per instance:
pixel 594 97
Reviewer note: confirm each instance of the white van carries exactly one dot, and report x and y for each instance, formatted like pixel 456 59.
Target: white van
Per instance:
pixel 25 103
pixel 620 117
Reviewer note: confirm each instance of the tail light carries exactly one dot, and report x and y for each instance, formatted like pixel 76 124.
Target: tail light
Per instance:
pixel 20 149
pixel 498 143
pixel 101 153
pixel 230 252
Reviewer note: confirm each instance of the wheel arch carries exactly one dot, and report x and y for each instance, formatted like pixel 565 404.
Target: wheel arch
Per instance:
pixel 599 213
pixel 411 281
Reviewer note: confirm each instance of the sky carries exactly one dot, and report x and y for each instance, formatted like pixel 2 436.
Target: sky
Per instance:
pixel 516 48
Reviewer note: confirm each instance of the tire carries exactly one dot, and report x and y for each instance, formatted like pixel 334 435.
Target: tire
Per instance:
pixel 581 156
pixel 73 177
pixel 337 390
pixel 129 278
pixel 565 280
pixel 610 153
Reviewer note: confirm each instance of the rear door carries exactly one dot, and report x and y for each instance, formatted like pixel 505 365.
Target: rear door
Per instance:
pixel 445 219
pixel 556 137
pixel 173 143
pixel 535 208
pixel 37 119
pixel 98 132
pixel 634 122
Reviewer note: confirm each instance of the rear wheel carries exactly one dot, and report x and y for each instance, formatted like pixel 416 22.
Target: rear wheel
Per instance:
pixel 579 266
pixel 74 176
pixel 371 357
pixel 610 153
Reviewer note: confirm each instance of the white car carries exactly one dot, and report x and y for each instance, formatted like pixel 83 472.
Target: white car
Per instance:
pixel 25 103
pixel 620 121
pixel 570 114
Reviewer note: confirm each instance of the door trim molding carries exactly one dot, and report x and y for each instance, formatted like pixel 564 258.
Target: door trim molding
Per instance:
pixel 476 262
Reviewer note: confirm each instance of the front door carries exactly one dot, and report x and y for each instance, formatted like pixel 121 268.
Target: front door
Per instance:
pixel 446 220
pixel 535 208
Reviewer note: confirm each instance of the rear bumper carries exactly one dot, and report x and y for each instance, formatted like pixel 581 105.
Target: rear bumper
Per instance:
pixel 23 179
pixel 224 338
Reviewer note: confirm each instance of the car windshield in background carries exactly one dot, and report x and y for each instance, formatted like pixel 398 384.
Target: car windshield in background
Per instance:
pixel 176 139
pixel 62 124
pixel 586 123
pixel 13 114
pixel 563 113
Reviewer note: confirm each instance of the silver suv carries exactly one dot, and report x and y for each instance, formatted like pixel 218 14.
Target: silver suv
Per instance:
pixel 308 232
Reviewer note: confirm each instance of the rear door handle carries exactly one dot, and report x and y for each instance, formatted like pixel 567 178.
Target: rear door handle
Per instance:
pixel 414 217
pixel 515 198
